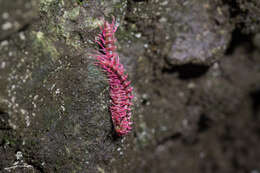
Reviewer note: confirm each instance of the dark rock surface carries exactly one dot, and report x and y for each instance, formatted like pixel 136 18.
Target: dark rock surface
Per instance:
pixel 194 66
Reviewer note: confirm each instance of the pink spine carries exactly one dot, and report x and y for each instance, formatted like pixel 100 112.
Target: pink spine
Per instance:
pixel 120 89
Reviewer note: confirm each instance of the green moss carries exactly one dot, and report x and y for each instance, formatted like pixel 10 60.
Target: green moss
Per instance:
pixel 9 140
pixel 62 26
pixel 72 14
pixel 91 22
pixel 45 44
pixel 45 4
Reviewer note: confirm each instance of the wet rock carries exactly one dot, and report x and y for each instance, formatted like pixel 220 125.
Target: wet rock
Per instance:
pixel 248 15
pixel 201 33
pixel 53 98
pixel 182 32
pixel 16 16
pixel 187 118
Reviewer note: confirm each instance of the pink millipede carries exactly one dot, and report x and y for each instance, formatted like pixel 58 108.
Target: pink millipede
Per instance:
pixel 120 90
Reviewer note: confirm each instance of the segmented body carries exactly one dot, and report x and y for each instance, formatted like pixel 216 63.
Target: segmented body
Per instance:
pixel 120 89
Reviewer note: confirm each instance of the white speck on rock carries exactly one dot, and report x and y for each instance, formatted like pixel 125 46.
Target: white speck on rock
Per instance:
pixel 7 25
pixel 163 128
pixel 12 87
pixel 27 119
pixel 138 35
pixel 35 97
pixel 53 86
pixel 162 20
pixel 34 105
pixel 63 108
pixel 13 99
pixel 4 43
pixel 22 36
pixel 23 111
pixel 164 3
pixel 191 85
pixel 57 91
pixel 216 65
pixel 5 15
pixel 3 64
pixel 19 155
pixel 12 125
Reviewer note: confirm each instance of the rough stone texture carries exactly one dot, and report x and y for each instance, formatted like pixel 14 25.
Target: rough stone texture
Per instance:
pixel 53 98
pixel 245 14
pixel 194 65
pixel 15 19
pixel 201 32
pixel 184 31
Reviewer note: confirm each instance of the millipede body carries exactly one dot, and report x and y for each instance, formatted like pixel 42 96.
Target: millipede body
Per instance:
pixel 120 90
